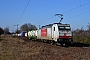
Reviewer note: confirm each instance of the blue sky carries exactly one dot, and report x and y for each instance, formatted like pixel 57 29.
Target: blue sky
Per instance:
pixel 41 12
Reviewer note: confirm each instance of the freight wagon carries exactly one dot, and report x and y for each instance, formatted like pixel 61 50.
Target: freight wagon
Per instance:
pixel 55 33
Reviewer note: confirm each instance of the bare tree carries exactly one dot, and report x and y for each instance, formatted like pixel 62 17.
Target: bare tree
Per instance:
pixel 81 35
pixel 27 27
pixel 1 31
pixel 88 29
pixel 6 30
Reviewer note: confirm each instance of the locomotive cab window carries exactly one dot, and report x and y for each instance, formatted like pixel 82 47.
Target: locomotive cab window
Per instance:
pixel 61 27
pixel 67 28
pixel 54 28
pixel 64 28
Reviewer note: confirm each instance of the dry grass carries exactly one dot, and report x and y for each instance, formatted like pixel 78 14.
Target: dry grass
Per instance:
pixel 19 49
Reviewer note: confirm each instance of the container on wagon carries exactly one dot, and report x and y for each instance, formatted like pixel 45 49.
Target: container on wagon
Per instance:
pixel 26 34
pixel 19 34
pixel 23 33
pixel 32 34
pixel 14 34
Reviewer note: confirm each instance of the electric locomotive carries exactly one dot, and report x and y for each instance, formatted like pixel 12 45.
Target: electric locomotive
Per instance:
pixel 56 33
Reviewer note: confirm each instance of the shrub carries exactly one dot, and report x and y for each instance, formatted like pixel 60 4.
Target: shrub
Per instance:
pixel 81 36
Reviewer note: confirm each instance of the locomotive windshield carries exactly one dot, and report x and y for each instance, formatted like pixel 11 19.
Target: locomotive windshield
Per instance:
pixel 64 28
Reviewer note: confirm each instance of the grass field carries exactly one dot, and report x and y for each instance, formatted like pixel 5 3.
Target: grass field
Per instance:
pixel 12 48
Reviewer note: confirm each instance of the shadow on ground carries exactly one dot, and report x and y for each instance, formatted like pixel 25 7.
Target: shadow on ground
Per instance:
pixel 80 45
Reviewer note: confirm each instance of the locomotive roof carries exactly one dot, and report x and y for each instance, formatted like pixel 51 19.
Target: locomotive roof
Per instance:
pixel 59 24
pixel 63 24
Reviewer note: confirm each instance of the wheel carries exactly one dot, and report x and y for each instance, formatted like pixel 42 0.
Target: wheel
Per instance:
pixel 44 41
pixel 51 42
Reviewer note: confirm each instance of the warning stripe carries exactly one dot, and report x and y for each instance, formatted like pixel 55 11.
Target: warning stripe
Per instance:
pixel 65 36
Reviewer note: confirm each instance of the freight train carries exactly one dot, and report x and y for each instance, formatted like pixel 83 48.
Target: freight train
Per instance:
pixel 53 33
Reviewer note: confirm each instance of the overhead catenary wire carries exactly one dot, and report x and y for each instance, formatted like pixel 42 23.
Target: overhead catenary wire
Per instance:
pixel 76 7
pixel 81 5
pixel 45 20
pixel 50 17
pixel 17 27
pixel 79 15
pixel 21 15
pixel 23 11
pixel 53 16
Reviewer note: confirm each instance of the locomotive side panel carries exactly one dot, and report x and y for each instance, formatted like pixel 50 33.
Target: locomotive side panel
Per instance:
pixel 49 33
pixel 39 34
pixel 55 32
pixel 44 32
